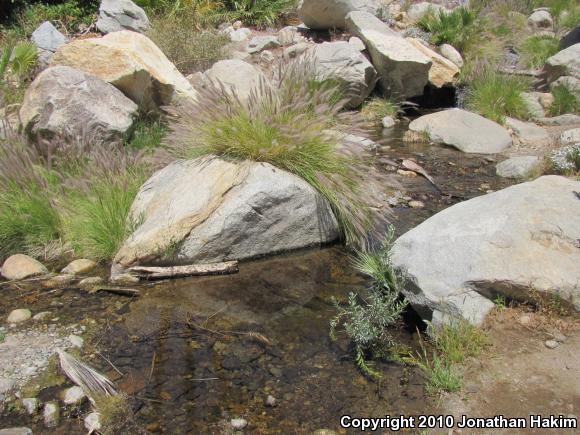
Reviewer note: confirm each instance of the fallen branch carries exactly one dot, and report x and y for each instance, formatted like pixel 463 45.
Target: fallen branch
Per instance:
pixel 145 272
pixel 119 291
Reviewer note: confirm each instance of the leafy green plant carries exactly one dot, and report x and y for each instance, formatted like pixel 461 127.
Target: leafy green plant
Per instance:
pixel 538 48
pixel 495 95
pixel 366 320
pixel 147 135
pixel 258 12
pixel 457 27
pixel 191 48
pixel 2 337
pixel 500 302
pixel 565 101
pixel 287 125
pixel 68 16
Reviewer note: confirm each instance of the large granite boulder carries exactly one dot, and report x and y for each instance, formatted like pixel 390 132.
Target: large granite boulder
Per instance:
pixel 238 77
pixel 131 62
pixel 342 62
pixel 564 63
pixel 65 102
pixel 330 14
pixel 211 210
pixel 443 72
pixel 463 130
pixel 403 69
pixel 511 242
pixel 115 15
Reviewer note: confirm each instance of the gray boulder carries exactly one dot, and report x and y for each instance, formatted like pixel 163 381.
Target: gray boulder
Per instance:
pixel 518 167
pixel 260 43
pixel 527 133
pixel 66 102
pixel 403 69
pixel 561 120
pixel 47 37
pixel 211 210
pixel 342 62
pixel 541 19
pixel 450 52
pixel 463 130
pixel 510 242
pixel 570 137
pixel 330 14
pixel 418 10
pixel 564 63
pixel 115 15
pixel 290 35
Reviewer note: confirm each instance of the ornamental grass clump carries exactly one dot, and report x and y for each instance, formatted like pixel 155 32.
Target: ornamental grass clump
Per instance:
pixel 293 125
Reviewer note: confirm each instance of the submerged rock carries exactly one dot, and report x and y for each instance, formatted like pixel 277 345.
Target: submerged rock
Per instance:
pixel 211 210
pixel 31 405
pixel 403 69
pixel 463 130
pixel 20 266
pixel 131 62
pixel 51 414
pixel 331 14
pixel 115 15
pixel 73 396
pixel 341 62
pixel 510 242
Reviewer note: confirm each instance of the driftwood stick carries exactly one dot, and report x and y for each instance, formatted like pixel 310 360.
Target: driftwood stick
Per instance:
pixel 123 291
pixel 183 271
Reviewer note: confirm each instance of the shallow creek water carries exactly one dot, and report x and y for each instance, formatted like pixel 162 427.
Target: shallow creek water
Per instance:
pixel 194 353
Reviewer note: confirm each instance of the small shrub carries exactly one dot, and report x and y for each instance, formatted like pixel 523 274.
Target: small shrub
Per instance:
pixel 566 160
pixel 366 320
pixel 377 108
pixel 67 16
pixel 457 28
pixel 495 96
pixel 260 13
pixel 537 49
pixel 285 124
pixel 565 101
pixel 147 135
pixel 190 48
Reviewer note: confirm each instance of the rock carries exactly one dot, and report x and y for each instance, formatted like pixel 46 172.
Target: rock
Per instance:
pixel 91 282
pixel 289 35
pixel 564 63
pixel 214 210
pixel 131 62
pixel 551 344
pixel 116 15
pixel 403 69
pixel 73 396
pixel 93 422
pixel 76 341
pixel 267 57
pixel 59 281
pixel 509 242
pixel 357 43
pixel 342 62
pixel 527 133
pixel 31 405
pixel 66 102
pixel 443 72
pixel 20 266
pixel 270 401
pixel 239 77
pixel 259 43
pixel 533 105
pixel 16 431
pixel 124 279
pixel 41 316
pixel 237 25
pixel 518 167
pixel 238 423
pixel 560 120
pixel 331 14
pixel 416 204
pixel 240 35
pixel 449 52
pixel 47 37
pixel 570 137
pixel 463 130
pixel 545 99
pixel 541 20
pixel 571 83
pixel 80 267
pixel 6 385
pixel 18 316
pixel 558 336
pixel 296 50
pixel 418 10
pixel 51 414
pixel 571 38
pixel 388 122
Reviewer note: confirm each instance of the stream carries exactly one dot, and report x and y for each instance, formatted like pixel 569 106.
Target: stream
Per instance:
pixel 192 354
